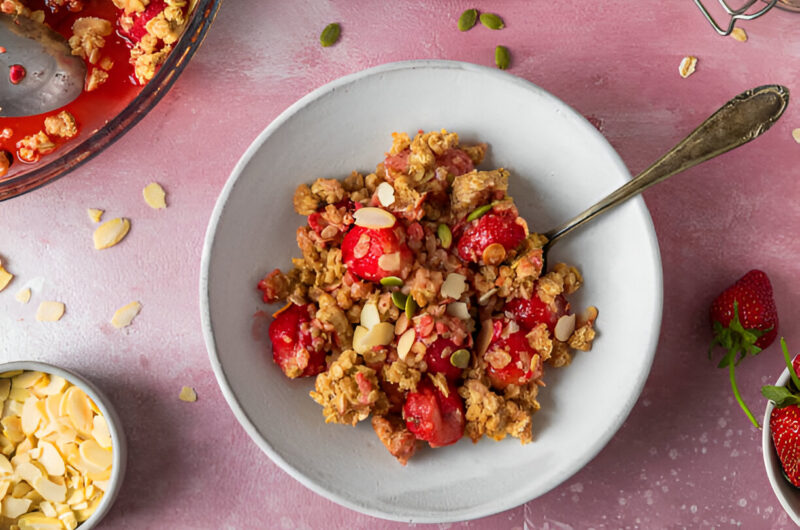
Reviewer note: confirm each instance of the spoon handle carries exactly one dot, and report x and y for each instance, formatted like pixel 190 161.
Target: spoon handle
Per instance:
pixel 740 120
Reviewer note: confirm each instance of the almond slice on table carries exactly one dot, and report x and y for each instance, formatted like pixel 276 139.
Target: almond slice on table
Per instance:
pixel 125 315
pixel 154 196
pixel 111 232
pixel 739 34
pixel 688 66
pixel 50 311
pixel 188 394
pixel 23 295
pixel 370 217
pixel 796 135
pixel 5 277
pixel 95 214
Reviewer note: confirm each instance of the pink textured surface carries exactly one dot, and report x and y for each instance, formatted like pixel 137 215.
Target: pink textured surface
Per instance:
pixel 686 455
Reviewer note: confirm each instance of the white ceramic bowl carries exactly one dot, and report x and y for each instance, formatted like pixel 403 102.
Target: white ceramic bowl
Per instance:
pixel 788 495
pixel 118 443
pixel 560 164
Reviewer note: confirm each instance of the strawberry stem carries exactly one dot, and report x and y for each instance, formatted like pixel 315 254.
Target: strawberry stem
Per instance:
pixel 789 364
pixel 739 399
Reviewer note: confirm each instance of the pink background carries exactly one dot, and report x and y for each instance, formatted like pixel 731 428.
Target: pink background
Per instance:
pixel 686 456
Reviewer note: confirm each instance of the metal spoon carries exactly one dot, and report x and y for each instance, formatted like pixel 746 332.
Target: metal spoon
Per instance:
pixel 739 121
pixel 53 76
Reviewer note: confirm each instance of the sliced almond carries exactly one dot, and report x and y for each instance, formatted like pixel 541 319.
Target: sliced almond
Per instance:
pixel 29 472
pixel 50 490
pixel 39 521
pixel 358 338
pixel 111 232
pixel 54 386
pixel 739 34
pixel 27 379
pixel 50 311
pixel 51 459
pixel 5 278
pixel 370 217
pixel 96 458
pixel 154 196
pixel 370 315
pixel 13 508
pixel 688 66
pixel 100 432
pixel 385 193
pixel 95 214
pixel 23 296
pixel 30 416
pixel 188 394
pixel 5 466
pixel 458 310
pixel 484 298
pixel 454 286
pixel 379 335
pixel 48 509
pixel 5 387
pixel 484 337
pixel 68 519
pixel 125 315
pixel 796 135
pixel 405 342
pixel 564 327
pixel 78 409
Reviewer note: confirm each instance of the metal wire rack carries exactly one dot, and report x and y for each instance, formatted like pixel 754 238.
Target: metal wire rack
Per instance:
pixel 750 10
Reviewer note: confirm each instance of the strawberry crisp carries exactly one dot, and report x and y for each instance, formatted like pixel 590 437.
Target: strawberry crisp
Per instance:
pixel 420 300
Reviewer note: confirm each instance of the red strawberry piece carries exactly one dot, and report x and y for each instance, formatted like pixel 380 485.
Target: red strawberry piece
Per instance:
pixel 434 417
pixel 456 161
pixel 745 321
pixel 292 347
pixel 785 426
pixel 509 356
pixel 437 357
pixel 140 20
pixel 493 227
pixel 532 311
pixel 369 253
pixel 270 286
pixel 397 163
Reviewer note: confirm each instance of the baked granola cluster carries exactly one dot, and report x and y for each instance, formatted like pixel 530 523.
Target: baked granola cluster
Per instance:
pixel 420 299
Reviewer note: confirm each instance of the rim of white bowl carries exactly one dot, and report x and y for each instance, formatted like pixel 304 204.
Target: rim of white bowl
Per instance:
pixel 772 465
pixel 118 443
pixel 228 391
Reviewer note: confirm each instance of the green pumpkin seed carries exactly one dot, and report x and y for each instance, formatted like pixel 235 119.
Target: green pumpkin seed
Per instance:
pixel 391 281
pixel 399 299
pixel 467 19
pixel 460 358
pixel 445 235
pixel 411 307
pixel 330 34
pixel 501 57
pixel 492 21
pixel 478 212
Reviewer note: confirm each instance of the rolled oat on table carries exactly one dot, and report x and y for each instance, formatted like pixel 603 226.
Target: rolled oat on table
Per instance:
pixel 420 299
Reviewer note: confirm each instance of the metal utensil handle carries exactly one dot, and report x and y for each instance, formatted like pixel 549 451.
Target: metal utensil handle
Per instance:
pixel 735 14
pixel 739 121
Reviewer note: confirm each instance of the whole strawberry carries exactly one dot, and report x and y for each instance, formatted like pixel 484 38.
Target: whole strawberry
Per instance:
pixel 745 322
pixel 784 421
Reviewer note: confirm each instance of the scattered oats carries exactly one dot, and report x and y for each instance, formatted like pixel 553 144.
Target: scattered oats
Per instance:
pixel 95 214
pixel 125 315
pixel 188 394
pixel 50 311
pixel 23 295
pixel 739 34
pixel 111 232
pixel 154 196
pixel 687 66
pixel 5 277
pixel 796 135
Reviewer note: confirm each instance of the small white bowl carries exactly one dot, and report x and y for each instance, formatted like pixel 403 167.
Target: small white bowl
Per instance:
pixel 119 446
pixel 788 495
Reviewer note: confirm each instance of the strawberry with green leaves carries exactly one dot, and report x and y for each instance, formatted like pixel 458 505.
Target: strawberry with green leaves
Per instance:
pixel 745 322
pixel 784 421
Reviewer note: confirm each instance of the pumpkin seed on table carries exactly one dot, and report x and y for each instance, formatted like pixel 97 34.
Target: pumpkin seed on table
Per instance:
pixel 501 57
pixel 467 19
pixel 445 235
pixel 330 34
pixel 492 21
